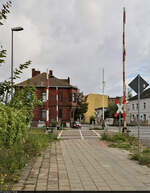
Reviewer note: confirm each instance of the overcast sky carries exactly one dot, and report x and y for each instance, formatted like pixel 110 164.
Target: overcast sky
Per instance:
pixel 77 38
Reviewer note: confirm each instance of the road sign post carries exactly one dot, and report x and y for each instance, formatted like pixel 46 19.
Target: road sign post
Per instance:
pixel 138 113
pixel 138 85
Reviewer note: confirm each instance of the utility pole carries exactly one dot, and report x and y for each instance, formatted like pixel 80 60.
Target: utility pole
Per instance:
pixel 103 91
pixel 103 83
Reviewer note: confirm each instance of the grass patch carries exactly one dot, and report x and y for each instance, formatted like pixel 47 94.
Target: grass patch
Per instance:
pixel 13 158
pixel 130 143
pixel 143 157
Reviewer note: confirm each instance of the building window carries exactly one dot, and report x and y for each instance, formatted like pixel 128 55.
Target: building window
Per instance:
pixel 137 116
pixel 60 97
pixel 133 106
pixel 43 114
pixel 136 106
pixel 72 114
pixel 133 117
pixel 144 117
pixel 60 113
pixel 28 96
pixel 73 97
pixel 44 96
pixel 144 105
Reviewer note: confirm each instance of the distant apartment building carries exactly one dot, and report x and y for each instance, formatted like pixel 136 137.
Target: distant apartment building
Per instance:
pixel 132 108
pixel 113 99
pixel 94 101
pixel 67 102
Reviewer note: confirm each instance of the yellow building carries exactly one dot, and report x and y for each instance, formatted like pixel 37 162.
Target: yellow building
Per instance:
pixel 94 101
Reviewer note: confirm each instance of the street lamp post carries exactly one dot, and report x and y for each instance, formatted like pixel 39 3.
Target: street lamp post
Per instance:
pixel 12 30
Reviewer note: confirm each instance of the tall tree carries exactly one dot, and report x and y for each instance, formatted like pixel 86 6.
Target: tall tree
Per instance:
pixel 82 106
pixel 5 86
pixel 3 16
pixel 111 110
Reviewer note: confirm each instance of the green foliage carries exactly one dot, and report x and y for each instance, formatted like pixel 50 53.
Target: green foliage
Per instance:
pixel 146 150
pixel 53 124
pixel 111 110
pixel 121 145
pixel 16 156
pixel 16 116
pixel 114 138
pixel 2 55
pixel 4 11
pixel 13 128
pixel 6 86
pixel 92 119
pixel 26 100
pixel 82 106
pixel 3 15
pixel 121 141
pixel 143 158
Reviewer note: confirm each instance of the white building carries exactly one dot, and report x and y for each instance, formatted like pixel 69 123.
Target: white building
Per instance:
pixel 132 108
pixel 99 114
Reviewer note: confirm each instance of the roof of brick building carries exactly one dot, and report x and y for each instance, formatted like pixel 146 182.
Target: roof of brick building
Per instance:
pixel 40 81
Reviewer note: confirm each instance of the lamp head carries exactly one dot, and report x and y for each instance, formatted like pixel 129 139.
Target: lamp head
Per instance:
pixel 17 28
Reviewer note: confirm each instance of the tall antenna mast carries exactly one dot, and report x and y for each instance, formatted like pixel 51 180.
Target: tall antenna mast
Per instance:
pixel 124 54
pixel 103 91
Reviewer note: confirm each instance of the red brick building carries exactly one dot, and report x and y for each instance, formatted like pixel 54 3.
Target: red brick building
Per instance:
pixel 66 97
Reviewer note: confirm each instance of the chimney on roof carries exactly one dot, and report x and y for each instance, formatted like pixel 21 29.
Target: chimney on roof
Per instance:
pixel 68 80
pixel 34 72
pixel 50 73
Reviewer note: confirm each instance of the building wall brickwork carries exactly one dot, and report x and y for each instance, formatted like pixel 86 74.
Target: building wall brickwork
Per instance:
pixel 66 97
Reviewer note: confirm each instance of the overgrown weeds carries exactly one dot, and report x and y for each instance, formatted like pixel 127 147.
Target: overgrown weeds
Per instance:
pixel 15 157
pixel 129 143
pixel 143 157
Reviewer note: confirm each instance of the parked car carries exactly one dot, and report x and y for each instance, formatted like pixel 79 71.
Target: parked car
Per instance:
pixel 76 125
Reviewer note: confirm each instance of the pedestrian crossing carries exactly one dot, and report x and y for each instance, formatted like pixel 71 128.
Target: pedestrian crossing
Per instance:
pixel 79 134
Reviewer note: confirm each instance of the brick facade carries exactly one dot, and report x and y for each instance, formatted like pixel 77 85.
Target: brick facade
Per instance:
pixel 66 98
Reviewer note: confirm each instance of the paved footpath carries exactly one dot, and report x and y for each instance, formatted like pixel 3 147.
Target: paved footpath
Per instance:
pixel 83 164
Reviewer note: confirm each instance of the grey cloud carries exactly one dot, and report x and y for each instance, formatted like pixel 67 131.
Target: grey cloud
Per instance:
pixel 77 38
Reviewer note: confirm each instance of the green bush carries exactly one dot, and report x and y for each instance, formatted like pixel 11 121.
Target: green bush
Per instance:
pixel 13 128
pixel 15 157
pixel 146 150
pixel 114 138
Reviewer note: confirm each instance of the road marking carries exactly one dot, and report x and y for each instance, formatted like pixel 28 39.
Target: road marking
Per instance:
pixel 81 134
pixel 59 135
pixel 96 133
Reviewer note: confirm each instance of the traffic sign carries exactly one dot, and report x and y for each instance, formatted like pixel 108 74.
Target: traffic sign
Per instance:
pixel 134 84
pixel 120 110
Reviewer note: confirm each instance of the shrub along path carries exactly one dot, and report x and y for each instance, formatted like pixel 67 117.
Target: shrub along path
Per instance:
pixel 83 164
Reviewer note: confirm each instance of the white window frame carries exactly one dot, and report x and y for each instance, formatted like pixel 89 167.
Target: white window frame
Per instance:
pixel 44 96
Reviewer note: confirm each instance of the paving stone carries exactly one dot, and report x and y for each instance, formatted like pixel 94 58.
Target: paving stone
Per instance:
pixel 88 164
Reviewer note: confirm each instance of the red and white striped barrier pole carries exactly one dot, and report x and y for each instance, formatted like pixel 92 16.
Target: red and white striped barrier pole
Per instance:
pixel 57 105
pixel 124 85
pixel 47 106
